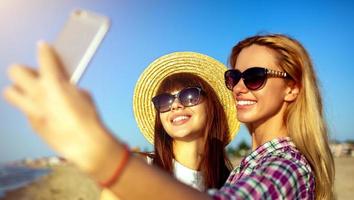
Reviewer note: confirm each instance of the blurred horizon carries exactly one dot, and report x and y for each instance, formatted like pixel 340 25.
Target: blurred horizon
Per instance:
pixel 143 31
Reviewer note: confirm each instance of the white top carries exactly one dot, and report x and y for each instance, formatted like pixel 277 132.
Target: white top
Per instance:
pixel 186 175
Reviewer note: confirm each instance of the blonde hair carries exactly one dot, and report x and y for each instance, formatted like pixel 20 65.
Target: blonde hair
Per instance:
pixel 304 117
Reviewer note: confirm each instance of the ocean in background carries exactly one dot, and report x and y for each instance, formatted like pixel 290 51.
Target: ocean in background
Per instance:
pixel 13 177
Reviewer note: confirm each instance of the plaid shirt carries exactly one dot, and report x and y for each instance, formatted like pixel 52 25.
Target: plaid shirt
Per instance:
pixel 275 170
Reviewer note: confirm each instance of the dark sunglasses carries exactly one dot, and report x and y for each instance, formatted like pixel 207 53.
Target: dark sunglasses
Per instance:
pixel 189 96
pixel 253 78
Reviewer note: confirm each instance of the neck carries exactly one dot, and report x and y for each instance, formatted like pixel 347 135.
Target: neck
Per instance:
pixel 273 127
pixel 188 153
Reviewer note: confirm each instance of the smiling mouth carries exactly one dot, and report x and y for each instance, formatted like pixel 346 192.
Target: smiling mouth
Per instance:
pixel 245 102
pixel 180 119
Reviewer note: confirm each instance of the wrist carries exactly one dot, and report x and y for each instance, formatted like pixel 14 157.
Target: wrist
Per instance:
pixel 118 169
pixel 103 155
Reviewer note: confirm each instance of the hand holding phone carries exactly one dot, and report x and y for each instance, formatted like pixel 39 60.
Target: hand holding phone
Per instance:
pixel 79 40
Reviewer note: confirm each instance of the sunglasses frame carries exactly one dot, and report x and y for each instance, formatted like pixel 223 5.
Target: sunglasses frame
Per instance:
pixel 177 96
pixel 267 73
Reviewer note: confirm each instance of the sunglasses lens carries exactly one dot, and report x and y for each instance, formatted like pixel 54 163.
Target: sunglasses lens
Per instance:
pixel 254 78
pixel 189 96
pixel 232 77
pixel 163 102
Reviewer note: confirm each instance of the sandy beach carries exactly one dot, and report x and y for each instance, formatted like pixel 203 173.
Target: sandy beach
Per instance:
pixel 64 183
pixel 67 183
pixel 344 182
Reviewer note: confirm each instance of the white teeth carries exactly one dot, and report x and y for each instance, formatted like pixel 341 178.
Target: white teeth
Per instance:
pixel 179 118
pixel 242 103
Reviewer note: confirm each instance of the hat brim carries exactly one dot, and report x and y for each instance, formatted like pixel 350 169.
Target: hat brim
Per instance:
pixel 207 68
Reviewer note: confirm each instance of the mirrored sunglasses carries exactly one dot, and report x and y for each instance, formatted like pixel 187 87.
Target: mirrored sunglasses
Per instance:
pixel 190 96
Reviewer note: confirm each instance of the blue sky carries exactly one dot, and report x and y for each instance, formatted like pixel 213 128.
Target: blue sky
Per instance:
pixel 144 30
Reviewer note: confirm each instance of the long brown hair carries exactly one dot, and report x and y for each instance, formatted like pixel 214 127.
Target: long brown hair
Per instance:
pixel 304 117
pixel 215 165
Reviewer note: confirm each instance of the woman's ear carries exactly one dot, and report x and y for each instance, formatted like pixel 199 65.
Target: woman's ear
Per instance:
pixel 292 91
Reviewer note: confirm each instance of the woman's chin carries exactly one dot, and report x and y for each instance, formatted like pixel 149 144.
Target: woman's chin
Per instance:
pixel 244 118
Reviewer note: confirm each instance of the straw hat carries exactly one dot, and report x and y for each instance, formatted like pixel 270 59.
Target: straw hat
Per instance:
pixel 207 68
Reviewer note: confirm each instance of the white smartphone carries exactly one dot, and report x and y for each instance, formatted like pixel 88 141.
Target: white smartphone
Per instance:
pixel 78 41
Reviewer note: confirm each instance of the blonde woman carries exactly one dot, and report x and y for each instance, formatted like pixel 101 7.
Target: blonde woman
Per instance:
pixel 274 84
pixel 279 101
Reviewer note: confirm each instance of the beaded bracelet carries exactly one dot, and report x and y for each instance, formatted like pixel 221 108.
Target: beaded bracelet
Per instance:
pixel 119 169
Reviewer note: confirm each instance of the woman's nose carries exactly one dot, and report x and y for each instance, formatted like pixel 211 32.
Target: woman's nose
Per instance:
pixel 176 104
pixel 239 88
